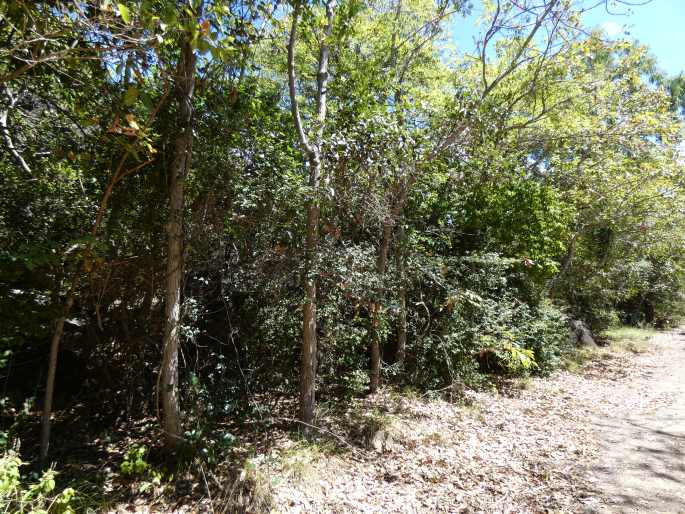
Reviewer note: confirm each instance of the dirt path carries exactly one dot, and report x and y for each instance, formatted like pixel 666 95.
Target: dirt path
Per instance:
pixel 608 439
pixel 641 464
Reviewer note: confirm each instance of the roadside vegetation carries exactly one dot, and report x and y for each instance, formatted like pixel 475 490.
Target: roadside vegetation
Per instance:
pixel 245 236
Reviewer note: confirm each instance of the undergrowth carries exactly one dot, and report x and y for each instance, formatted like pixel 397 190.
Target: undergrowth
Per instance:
pixel 630 339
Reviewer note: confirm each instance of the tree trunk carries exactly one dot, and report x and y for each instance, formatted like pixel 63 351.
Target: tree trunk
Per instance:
pixel 87 267
pixel 185 85
pixel 312 152
pixel 381 265
pixel 68 305
pixel 309 336
pixel 402 297
pixel 375 368
pixel 52 370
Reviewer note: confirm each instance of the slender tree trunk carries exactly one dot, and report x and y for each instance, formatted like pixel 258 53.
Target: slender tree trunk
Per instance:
pixel 87 267
pixel 402 297
pixel 381 266
pixel 185 85
pixel 68 305
pixel 312 152
pixel 52 370
pixel 375 367
pixel 386 235
pixel 376 310
pixel 309 336
pixel 66 309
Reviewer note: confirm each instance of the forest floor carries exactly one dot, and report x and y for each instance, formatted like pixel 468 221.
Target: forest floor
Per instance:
pixel 605 436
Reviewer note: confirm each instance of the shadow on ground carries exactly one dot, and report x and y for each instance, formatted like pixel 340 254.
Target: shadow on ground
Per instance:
pixel 642 463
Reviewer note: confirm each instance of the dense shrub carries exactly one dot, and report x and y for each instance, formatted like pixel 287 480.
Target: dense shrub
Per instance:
pixel 479 324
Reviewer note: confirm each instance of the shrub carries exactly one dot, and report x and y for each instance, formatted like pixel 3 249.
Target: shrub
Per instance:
pixel 18 496
pixel 545 333
pixel 478 323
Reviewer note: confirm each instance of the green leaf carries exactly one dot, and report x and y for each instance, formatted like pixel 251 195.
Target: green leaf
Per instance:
pixel 216 53
pixel 124 12
pixel 131 95
pixel 203 46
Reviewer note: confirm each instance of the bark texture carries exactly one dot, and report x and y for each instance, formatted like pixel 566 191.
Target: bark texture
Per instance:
pixel 312 153
pixel 184 88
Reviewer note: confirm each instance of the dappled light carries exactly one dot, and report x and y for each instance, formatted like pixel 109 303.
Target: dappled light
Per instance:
pixel 376 256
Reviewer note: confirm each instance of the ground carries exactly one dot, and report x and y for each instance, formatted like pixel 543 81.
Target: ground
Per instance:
pixel 642 434
pixel 606 436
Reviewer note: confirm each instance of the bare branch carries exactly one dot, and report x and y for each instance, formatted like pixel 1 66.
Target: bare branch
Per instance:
pixel 322 75
pixel 292 81
pixel 7 136
pixel 516 60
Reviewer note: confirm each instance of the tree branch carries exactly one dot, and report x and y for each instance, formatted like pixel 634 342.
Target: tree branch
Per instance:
pixel 7 136
pixel 292 82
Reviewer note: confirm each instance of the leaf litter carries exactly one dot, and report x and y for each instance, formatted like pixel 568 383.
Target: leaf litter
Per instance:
pixel 524 447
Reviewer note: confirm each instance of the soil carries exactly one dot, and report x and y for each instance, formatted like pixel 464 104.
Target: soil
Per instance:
pixel 607 439
pixel 641 465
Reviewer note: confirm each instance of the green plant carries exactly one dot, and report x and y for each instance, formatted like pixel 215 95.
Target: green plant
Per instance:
pixel 517 360
pixel 136 466
pixel 356 382
pixel 631 339
pixel 39 497
pixel 9 437
pixel 134 463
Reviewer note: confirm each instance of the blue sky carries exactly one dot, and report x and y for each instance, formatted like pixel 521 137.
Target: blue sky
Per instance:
pixel 660 24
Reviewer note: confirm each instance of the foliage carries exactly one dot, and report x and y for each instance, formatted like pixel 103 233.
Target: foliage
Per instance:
pixel 134 462
pixel 469 205
pixel 482 321
pixel 628 338
pixel 17 495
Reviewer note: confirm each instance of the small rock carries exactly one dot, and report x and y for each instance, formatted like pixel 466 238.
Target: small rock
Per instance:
pixel 581 335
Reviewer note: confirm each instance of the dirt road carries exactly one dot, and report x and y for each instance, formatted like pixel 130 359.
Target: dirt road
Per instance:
pixel 606 438
pixel 641 465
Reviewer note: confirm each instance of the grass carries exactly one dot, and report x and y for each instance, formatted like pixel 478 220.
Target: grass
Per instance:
pixel 629 339
pixel 621 339
pixel 575 360
pixel 299 461
pixel 250 492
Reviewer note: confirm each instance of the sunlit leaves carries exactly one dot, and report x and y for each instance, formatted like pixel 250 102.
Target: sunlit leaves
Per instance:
pixel 124 12
pixel 131 95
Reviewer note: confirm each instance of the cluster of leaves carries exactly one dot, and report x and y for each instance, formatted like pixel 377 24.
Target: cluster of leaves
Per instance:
pixel 503 193
pixel 38 497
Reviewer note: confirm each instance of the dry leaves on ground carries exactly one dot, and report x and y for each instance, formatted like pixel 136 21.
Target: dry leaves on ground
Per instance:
pixel 525 451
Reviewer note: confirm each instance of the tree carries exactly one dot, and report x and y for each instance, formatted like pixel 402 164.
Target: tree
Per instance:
pixel 184 85
pixel 312 153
